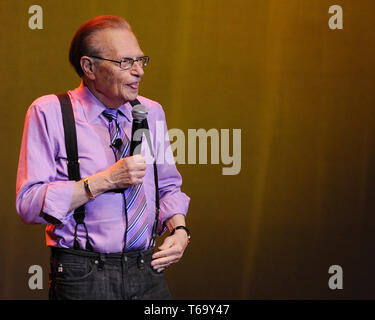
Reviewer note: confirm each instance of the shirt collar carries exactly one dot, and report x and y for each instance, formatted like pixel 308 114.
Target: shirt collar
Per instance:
pixel 93 108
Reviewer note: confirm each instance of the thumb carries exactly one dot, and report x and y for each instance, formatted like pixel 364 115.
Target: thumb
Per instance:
pixel 166 244
pixel 138 158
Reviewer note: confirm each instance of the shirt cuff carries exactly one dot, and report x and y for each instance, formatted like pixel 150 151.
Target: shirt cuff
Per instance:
pixel 170 205
pixel 58 199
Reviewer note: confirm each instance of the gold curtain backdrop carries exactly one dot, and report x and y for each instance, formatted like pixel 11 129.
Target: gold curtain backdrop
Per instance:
pixel 302 95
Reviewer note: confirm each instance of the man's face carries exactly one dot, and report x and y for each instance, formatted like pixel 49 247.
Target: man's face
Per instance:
pixel 115 86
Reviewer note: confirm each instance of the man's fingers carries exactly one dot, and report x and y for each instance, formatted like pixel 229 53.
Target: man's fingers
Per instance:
pixel 163 262
pixel 138 158
pixel 131 171
pixel 170 252
pixel 168 242
pixel 137 161
pixel 166 257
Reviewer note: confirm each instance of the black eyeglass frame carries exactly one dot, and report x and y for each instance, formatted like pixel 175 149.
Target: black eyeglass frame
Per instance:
pixel 131 60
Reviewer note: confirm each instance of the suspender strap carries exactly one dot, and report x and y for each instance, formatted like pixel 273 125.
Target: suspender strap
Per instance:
pixel 70 137
pixel 157 200
pixel 156 181
pixel 73 161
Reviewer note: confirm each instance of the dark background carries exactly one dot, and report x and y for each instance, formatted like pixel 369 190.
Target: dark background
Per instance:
pixel 301 93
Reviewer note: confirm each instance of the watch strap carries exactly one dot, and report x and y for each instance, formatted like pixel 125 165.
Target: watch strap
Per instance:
pixel 87 188
pixel 184 228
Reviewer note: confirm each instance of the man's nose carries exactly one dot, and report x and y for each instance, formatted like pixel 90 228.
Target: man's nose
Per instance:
pixel 137 69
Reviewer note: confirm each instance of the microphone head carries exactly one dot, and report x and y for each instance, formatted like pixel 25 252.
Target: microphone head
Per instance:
pixel 139 112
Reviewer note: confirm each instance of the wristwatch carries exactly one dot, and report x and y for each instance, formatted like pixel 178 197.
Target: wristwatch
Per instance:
pixel 184 228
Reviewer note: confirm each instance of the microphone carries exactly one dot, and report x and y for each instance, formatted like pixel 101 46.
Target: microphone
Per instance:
pixel 139 113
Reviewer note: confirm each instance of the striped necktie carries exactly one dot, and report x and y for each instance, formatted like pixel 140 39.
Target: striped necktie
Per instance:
pixel 137 234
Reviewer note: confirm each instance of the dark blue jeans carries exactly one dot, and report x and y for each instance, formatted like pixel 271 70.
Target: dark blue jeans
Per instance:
pixel 77 274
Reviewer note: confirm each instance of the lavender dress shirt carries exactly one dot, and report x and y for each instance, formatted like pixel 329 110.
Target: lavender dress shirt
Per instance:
pixel 42 177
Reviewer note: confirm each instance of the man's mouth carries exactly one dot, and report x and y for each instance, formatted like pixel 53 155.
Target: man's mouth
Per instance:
pixel 133 85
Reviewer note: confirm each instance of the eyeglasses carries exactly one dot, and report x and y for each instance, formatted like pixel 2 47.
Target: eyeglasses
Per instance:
pixel 127 63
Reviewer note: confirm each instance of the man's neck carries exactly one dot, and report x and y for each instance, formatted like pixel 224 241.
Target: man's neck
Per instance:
pixel 98 95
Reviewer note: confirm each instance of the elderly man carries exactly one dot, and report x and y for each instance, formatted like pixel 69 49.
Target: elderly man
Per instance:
pixel 102 216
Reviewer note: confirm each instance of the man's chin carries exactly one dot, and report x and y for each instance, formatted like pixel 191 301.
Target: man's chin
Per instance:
pixel 132 96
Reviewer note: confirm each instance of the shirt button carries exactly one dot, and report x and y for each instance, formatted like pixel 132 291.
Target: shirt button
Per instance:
pixel 96 261
pixel 134 298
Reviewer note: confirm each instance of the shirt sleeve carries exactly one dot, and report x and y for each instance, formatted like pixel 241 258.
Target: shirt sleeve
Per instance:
pixel 172 200
pixel 39 197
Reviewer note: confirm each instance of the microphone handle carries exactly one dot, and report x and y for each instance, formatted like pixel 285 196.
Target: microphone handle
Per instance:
pixel 136 137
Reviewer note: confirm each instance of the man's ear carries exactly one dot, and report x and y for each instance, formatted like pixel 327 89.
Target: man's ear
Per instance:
pixel 87 66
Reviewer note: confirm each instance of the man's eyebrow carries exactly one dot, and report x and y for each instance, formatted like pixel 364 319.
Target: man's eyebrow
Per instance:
pixel 122 58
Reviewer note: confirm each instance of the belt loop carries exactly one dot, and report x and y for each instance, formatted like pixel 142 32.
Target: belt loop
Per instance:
pixel 141 261
pixel 101 261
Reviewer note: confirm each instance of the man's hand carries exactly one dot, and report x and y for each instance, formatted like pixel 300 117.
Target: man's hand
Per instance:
pixel 126 172
pixel 170 251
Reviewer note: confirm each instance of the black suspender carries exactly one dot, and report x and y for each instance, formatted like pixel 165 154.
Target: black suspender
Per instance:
pixel 74 171
pixel 73 162
pixel 70 137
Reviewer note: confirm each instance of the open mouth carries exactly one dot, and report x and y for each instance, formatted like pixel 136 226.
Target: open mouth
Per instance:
pixel 134 85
